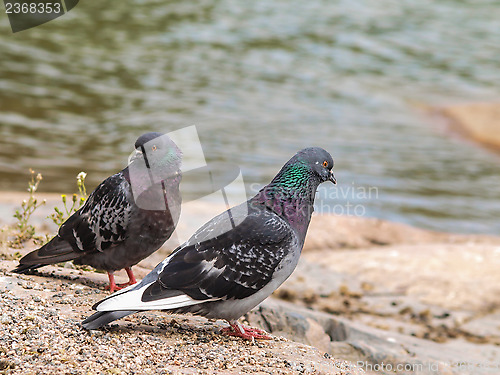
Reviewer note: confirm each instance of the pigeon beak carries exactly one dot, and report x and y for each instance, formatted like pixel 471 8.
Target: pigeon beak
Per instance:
pixel 332 178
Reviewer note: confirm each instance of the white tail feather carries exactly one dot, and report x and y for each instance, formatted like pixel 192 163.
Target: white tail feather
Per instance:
pixel 131 300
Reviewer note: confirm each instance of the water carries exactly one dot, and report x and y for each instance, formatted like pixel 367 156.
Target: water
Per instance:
pixel 261 80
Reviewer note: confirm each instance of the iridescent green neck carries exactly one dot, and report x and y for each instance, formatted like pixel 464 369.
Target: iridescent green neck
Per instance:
pixel 291 195
pixel 292 181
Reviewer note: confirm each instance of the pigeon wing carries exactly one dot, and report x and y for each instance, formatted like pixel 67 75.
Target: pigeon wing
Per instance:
pixel 233 264
pixel 99 224
pixel 103 220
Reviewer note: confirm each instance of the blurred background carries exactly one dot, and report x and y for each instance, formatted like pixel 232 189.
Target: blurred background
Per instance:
pixel 260 80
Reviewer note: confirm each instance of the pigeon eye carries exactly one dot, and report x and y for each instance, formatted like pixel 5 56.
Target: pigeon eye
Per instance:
pixel 325 164
pixel 154 148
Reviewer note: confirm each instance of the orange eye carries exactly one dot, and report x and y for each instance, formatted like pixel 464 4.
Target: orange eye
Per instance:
pixel 154 148
pixel 325 164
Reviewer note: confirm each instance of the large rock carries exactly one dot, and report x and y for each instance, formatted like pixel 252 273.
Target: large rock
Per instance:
pixel 429 304
pixel 375 350
pixel 333 232
pixel 480 121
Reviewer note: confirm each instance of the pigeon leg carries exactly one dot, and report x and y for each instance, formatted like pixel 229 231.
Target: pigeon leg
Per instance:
pixel 131 278
pixel 130 274
pixel 112 285
pixel 248 333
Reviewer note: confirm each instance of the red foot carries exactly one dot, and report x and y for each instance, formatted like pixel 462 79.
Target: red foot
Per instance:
pixel 248 333
pixel 113 286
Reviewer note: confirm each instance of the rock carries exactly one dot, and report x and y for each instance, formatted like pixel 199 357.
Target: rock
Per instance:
pixel 333 232
pixel 486 326
pixel 452 276
pixel 480 121
pixel 368 347
pixel 428 304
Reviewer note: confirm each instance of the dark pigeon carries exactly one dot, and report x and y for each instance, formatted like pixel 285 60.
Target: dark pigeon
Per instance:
pixel 237 259
pixel 125 219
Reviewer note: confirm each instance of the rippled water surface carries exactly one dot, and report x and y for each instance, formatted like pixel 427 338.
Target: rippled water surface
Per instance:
pixel 260 80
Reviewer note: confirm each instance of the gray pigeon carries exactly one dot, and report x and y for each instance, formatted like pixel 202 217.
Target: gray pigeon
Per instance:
pixel 237 259
pixel 125 219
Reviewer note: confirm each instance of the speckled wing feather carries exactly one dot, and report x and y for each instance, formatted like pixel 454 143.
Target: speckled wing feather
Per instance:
pixel 102 222
pixel 233 264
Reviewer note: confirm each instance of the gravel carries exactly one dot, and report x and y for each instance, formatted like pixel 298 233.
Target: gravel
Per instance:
pixel 40 334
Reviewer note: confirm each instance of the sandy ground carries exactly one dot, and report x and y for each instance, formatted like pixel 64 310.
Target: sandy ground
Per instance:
pixel 40 334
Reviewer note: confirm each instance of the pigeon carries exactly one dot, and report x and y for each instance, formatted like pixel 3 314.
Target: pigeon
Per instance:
pixel 237 259
pixel 125 219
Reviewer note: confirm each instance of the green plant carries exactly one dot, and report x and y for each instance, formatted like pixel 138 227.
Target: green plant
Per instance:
pixel 77 201
pixel 26 231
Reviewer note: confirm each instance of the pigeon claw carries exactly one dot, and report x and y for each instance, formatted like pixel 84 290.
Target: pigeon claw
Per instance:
pixel 248 333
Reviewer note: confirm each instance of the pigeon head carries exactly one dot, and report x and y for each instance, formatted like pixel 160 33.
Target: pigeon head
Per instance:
pixel 145 138
pixel 300 177
pixel 158 151
pixel 153 170
pixel 318 160
pixel 306 170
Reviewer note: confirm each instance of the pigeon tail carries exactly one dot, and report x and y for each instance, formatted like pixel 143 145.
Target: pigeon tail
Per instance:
pixel 101 318
pixel 132 298
pixel 56 251
pixel 26 268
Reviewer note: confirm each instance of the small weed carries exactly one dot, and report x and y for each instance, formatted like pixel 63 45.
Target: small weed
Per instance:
pixel 26 231
pixel 77 201
pixel 23 231
pixel 80 181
